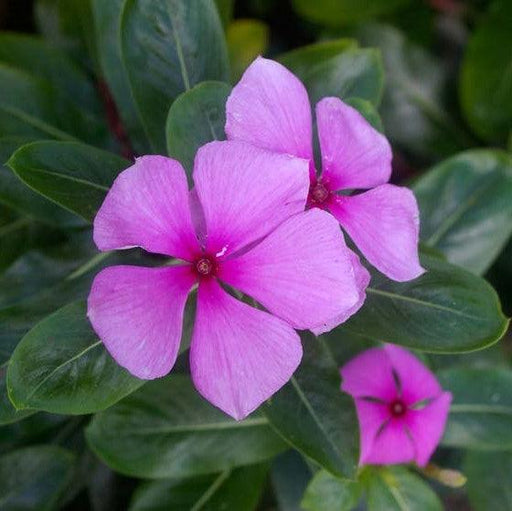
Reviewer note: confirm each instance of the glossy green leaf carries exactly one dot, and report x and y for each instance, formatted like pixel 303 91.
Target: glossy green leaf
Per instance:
pixel 107 24
pixel 412 108
pixel 337 68
pixel 246 40
pixel 195 118
pixel 314 416
pixel 61 366
pixel 488 483
pixel 183 435
pixel 466 207
pixel 230 490
pixel 446 310
pixel 328 493
pixel 481 410
pixel 344 12
pixel 73 175
pixel 398 489
pixel 168 46
pixel 34 477
pixel 486 76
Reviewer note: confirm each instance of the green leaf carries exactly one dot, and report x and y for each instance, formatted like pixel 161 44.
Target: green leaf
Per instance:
pixel 34 477
pixel 183 435
pixel 225 9
pixel 230 490
pixel 246 40
pixel 169 46
pixel 344 12
pixel 397 489
pixel 314 416
pixel 73 175
pixel 481 410
pixel 337 68
pixel 368 111
pixel 446 310
pixel 466 207
pixel 488 483
pixel 328 493
pixel 195 118
pixel 412 108
pixel 107 24
pixel 487 102
pixel 61 366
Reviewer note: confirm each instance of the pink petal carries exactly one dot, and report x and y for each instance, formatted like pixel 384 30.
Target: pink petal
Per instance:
pixel 362 280
pixel 138 314
pixel 354 154
pixel 239 355
pixel 427 426
pixel 148 207
pixel 246 192
pixel 418 383
pixel 369 374
pixel 301 272
pixel 269 107
pixel 384 224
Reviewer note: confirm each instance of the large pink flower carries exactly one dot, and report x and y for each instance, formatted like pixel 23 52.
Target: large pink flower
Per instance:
pixel 401 407
pixel 243 225
pixel 270 108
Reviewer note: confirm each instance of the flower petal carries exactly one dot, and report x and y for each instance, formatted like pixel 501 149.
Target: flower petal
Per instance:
pixel 138 314
pixel 301 272
pixel 384 224
pixel 362 280
pixel 239 355
pixel 269 107
pixel 148 207
pixel 246 192
pixel 354 154
pixel 369 374
pixel 427 426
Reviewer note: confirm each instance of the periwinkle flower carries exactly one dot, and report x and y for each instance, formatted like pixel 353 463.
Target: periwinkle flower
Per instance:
pixel 401 407
pixel 244 226
pixel 270 108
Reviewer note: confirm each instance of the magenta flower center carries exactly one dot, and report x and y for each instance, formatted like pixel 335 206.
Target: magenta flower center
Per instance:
pixel 318 193
pixel 397 408
pixel 205 267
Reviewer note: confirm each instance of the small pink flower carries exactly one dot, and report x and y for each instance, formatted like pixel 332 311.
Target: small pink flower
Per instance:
pixel 401 407
pixel 270 108
pixel 255 236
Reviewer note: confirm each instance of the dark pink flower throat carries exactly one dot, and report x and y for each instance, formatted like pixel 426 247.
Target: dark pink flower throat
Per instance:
pixel 319 194
pixel 397 408
pixel 205 266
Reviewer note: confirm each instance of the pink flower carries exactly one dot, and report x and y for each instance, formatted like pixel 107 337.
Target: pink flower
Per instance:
pixel 401 407
pixel 270 108
pixel 255 237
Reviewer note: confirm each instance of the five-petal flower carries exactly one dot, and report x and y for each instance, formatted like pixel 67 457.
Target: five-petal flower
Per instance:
pixel 243 225
pixel 401 407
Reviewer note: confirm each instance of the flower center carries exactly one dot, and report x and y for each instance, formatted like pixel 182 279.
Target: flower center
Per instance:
pixel 205 267
pixel 318 193
pixel 397 408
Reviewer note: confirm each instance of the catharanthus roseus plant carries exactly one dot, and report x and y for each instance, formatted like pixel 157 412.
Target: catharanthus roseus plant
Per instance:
pixel 243 225
pixel 401 407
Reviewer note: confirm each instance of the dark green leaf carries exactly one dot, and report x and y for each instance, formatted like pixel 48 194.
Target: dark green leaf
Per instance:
pixel 337 68
pixel 328 493
pixel 167 430
pixel 446 310
pixel 488 484
pixel 246 40
pixel 481 410
pixel 195 118
pixel 466 207
pixel 73 175
pixel 486 77
pixel 169 46
pixel 34 478
pixel 314 416
pixel 238 489
pixel 225 9
pixel 61 366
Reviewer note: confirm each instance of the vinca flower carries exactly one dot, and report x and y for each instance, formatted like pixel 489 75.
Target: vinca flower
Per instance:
pixel 401 407
pixel 270 108
pixel 243 226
